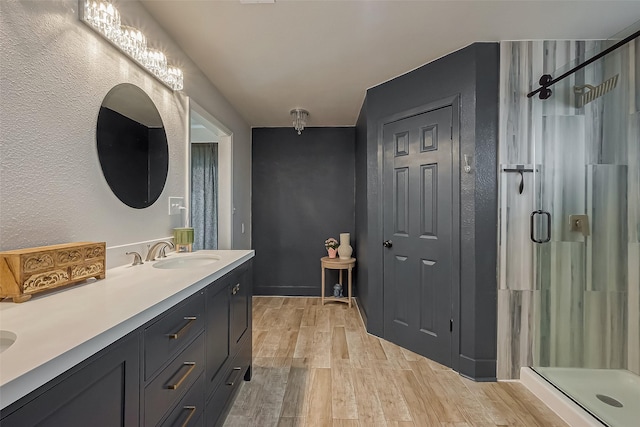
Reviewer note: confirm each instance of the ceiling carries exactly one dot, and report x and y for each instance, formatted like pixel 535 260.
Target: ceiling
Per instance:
pixel 322 55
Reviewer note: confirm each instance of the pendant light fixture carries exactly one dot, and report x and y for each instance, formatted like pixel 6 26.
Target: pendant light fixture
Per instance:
pixel 299 117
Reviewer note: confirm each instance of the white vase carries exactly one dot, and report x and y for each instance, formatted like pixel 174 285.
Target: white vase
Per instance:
pixel 344 250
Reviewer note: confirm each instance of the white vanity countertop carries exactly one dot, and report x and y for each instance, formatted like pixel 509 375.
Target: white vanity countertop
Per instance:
pixel 58 330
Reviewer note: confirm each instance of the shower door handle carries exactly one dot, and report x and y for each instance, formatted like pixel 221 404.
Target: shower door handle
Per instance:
pixel 532 226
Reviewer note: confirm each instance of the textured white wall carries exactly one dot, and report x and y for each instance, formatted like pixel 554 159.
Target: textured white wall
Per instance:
pixel 54 74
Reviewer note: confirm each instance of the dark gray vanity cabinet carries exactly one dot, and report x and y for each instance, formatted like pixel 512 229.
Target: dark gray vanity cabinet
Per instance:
pixel 228 314
pixel 181 368
pixel 241 293
pixel 101 391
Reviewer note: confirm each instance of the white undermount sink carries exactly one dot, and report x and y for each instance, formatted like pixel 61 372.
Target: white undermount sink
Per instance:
pixel 191 261
pixel 7 338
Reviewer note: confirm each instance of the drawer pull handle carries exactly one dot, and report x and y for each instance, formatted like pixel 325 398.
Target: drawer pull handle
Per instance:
pixel 192 411
pixel 235 373
pixel 192 366
pixel 235 289
pixel 184 328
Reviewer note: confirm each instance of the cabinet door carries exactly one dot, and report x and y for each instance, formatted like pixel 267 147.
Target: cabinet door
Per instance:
pixel 217 328
pixel 242 290
pixel 104 392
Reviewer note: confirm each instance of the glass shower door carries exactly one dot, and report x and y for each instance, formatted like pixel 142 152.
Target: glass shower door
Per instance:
pixel 586 228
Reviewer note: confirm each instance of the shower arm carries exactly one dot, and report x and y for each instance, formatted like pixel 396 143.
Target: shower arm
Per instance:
pixel 547 80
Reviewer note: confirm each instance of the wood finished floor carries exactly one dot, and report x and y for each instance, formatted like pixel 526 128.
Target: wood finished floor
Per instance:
pixel 316 366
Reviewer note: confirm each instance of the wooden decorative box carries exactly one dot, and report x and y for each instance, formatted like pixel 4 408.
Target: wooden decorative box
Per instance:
pixel 24 272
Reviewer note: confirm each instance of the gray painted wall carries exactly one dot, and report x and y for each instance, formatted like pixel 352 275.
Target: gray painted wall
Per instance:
pixel 303 192
pixel 361 211
pixel 471 73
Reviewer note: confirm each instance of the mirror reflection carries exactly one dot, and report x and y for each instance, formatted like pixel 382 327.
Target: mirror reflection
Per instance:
pixel 132 146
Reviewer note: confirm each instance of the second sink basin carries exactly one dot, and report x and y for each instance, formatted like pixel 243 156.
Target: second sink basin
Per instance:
pixel 7 338
pixel 192 261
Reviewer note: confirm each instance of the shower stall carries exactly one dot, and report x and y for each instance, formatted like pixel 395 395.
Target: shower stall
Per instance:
pixel 585 185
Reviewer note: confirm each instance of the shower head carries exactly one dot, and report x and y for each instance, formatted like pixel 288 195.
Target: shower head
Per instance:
pixel 587 93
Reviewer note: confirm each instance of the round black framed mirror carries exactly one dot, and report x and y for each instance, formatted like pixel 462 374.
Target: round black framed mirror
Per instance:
pixel 132 146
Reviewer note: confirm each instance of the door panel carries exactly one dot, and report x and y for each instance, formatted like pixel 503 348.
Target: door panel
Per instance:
pixel 401 211
pixel 427 296
pixel 418 219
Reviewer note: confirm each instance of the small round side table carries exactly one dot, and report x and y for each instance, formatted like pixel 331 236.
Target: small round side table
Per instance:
pixel 338 264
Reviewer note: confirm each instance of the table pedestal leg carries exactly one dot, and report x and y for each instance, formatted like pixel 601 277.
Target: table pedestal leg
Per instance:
pixel 322 298
pixel 349 287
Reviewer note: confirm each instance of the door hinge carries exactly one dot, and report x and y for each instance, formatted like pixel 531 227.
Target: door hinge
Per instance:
pixel 450 325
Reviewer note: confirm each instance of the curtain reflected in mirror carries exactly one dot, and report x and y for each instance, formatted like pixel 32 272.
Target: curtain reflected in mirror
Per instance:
pixel 204 195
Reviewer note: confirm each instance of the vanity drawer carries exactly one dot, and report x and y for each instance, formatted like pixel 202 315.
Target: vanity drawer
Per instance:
pixel 165 390
pixel 172 333
pixel 188 412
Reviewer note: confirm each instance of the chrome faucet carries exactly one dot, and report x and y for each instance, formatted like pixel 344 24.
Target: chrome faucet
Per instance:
pixel 158 248
pixel 137 259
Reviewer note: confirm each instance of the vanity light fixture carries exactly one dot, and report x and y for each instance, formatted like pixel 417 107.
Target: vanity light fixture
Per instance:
pixel 299 117
pixel 103 17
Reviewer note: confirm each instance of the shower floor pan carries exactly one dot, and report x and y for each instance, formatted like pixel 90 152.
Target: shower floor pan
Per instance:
pixel 611 395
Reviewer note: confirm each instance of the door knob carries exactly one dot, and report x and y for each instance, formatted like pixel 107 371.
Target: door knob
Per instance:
pixel 387 243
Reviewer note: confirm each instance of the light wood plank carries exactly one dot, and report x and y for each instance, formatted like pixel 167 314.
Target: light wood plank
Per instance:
pixel 366 396
pixel 321 350
pixel 323 318
pixel 467 404
pixel 337 311
pixel 533 405
pixel 287 344
pixel 304 343
pixel 309 316
pixel 391 399
pixel 343 397
pixel 417 403
pixel 291 422
pixel 394 355
pixel 345 423
pixel 357 349
pixel 316 366
pixel 339 348
pixel 319 422
pixel 320 405
pixel 374 348
pixel 296 396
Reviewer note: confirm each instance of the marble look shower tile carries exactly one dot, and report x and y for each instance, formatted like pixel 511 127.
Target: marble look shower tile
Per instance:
pixel 542 329
pixel 607 244
pixel 566 293
pixel 634 47
pixel 633 187
pixel 605 334
pixel 520 69
pixel 516 248
pixel 560 56
pixel 542 264
pixel 633 324
pixel 615 110
pixel 515 332
pixel 563 173
pixel 525 317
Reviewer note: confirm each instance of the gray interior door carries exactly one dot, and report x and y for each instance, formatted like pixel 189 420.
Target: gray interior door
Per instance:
pixel 418 220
